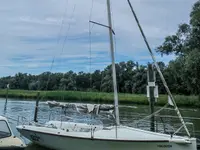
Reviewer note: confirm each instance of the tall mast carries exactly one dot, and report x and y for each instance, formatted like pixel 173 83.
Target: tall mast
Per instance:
pixel 113 63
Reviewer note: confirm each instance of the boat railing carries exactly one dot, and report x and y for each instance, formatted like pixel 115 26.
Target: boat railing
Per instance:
pixel 177 127
pixel 21 120
pixel 159 126
pixel 181 127
pixel 75 118
pixel 88 120
pixel 163 124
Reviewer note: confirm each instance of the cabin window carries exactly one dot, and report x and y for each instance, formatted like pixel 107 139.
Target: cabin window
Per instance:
pixel 4 129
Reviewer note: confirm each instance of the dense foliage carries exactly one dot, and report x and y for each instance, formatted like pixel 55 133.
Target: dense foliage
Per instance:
pixel 131 78
pixel 185 44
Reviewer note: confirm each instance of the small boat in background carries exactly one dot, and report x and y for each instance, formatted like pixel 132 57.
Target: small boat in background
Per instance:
pixel 7 139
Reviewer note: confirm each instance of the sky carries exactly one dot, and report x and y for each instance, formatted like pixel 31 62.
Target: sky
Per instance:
pixel 51 35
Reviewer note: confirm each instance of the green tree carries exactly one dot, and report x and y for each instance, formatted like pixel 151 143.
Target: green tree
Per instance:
pixel 184 70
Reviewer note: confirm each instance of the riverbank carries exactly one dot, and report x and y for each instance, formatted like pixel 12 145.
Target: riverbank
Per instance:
pixel 97 97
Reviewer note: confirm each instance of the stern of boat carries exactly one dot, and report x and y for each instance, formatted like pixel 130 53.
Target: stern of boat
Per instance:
pixel 13 143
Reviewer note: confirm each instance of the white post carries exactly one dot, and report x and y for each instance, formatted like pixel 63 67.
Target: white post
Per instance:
pixel 113 64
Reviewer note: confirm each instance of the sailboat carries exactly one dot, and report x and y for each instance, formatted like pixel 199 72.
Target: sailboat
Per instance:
pixel 116 137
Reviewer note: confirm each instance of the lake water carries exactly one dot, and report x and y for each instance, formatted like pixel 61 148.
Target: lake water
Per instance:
pixel 128 116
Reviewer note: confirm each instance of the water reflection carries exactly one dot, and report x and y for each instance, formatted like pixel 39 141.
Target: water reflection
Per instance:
pixel 36 147
pixel 5 107
pixel 128 114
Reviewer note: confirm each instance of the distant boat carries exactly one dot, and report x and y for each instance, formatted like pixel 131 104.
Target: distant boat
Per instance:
pixel 116 137
pixel 7 139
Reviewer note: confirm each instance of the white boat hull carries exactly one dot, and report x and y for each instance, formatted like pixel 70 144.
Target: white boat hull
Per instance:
pixel 11 143
pixel 62 141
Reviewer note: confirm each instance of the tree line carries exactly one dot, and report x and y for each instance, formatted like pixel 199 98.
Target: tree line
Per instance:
pixel 131 78
pixel 182 74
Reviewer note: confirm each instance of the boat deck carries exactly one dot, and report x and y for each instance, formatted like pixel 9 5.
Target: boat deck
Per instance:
pixel 123 134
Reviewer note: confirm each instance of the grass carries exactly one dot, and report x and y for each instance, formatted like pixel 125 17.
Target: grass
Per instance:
pixel 98 97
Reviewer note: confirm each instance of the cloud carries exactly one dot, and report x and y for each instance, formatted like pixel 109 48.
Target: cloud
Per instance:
pixel 34 32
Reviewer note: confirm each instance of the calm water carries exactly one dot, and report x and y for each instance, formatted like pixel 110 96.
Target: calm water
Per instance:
pixel 128 114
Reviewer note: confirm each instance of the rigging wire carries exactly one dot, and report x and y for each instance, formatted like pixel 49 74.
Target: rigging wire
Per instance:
pixel 158 69
pixel 69 27
pixel 67 34
pixel 53 60
pixel 91 10
pixel 52 63
pixel 62 23
pixel 90 46
pixel 65 39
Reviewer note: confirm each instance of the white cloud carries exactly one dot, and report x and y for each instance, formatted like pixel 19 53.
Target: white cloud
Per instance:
pixel 30 29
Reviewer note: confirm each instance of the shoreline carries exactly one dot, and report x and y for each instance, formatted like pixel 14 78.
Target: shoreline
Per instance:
pixel 97 97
